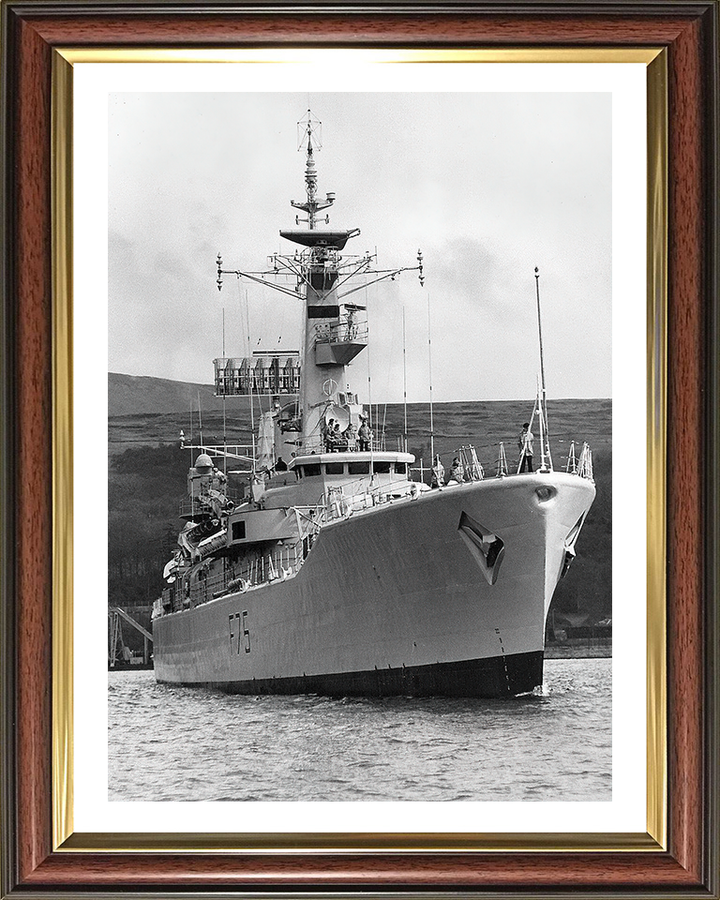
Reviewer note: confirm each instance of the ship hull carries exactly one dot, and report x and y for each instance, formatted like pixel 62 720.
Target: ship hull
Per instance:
pixel 496 677
pixel 397 600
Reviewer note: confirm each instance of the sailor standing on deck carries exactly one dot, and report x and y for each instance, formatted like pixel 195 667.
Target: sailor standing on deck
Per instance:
pixel 339 441
pixel 525 445
pixel 457 472
pixel 364 434
pixel 327 429
pixel 438 473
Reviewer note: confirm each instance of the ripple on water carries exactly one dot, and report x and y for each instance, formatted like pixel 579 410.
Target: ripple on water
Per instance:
pixel 174 743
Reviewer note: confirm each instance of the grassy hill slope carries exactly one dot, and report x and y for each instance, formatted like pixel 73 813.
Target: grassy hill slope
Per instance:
pixel 139 394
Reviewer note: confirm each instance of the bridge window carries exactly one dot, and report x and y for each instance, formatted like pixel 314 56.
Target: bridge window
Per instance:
pixel 323 312
pixel 359 468
pixel 334 468
pixel 312 469
pixel 238 530
pixel 382 468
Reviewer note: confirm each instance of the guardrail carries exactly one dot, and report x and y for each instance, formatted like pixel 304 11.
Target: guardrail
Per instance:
pixel 342 332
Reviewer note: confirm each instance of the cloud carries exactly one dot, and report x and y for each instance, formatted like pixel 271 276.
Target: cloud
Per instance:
pixel 489 185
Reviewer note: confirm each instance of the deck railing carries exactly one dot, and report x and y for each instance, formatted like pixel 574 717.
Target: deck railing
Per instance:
pixel 317 444
pixel 472 469
pixel 345 331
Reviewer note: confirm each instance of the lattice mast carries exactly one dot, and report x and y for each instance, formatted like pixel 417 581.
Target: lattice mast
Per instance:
pixel 310 133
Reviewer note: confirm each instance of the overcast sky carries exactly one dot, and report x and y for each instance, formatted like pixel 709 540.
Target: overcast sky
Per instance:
pixel 487 185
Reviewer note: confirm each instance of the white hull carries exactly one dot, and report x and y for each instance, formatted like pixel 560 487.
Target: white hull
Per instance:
pixel 396 589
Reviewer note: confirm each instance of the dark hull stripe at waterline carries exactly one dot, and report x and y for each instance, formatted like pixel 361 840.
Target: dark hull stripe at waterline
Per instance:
pixel 492 678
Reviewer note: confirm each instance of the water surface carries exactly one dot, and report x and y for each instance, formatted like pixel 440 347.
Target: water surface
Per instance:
pixel 178 743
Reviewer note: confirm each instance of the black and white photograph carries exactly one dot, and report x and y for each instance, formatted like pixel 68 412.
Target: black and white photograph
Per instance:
pixel 360 446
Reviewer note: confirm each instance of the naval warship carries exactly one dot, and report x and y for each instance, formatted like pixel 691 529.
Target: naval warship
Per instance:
pixel 334 571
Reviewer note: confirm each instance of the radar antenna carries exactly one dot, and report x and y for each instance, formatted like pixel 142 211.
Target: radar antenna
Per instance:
pixel 310 137
pixel 296 266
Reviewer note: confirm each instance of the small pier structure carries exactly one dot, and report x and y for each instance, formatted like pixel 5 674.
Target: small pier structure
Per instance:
pixel 120 656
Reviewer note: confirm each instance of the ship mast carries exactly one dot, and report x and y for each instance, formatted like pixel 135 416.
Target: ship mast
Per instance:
pixel 322 276
pixel 310 130
pixel 545 455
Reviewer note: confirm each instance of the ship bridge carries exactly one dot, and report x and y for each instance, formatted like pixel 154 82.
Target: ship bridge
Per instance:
pixel 346 482
pixel 352 464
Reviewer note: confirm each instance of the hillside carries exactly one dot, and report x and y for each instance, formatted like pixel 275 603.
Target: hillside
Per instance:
pixel 130 395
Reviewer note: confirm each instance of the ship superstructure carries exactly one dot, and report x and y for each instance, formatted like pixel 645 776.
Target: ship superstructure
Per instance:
pixel 335 571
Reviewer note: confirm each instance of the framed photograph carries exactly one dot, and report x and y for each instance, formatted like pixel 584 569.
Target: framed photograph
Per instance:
pixel 361 424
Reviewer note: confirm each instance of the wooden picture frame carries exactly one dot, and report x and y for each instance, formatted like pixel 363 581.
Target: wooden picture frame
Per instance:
pixel 39 855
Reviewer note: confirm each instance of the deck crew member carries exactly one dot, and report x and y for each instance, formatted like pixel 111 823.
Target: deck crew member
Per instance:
pixel 328 431
pixel 525 445
pixel 438 473
pixel 339 440
pixel 457 472
pixel 364 434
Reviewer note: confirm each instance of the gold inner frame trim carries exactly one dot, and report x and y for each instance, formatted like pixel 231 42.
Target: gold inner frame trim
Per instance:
pixel 657 255
pixel 359 842
pixel 64 838
pixel 62 450
pixel 643 55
